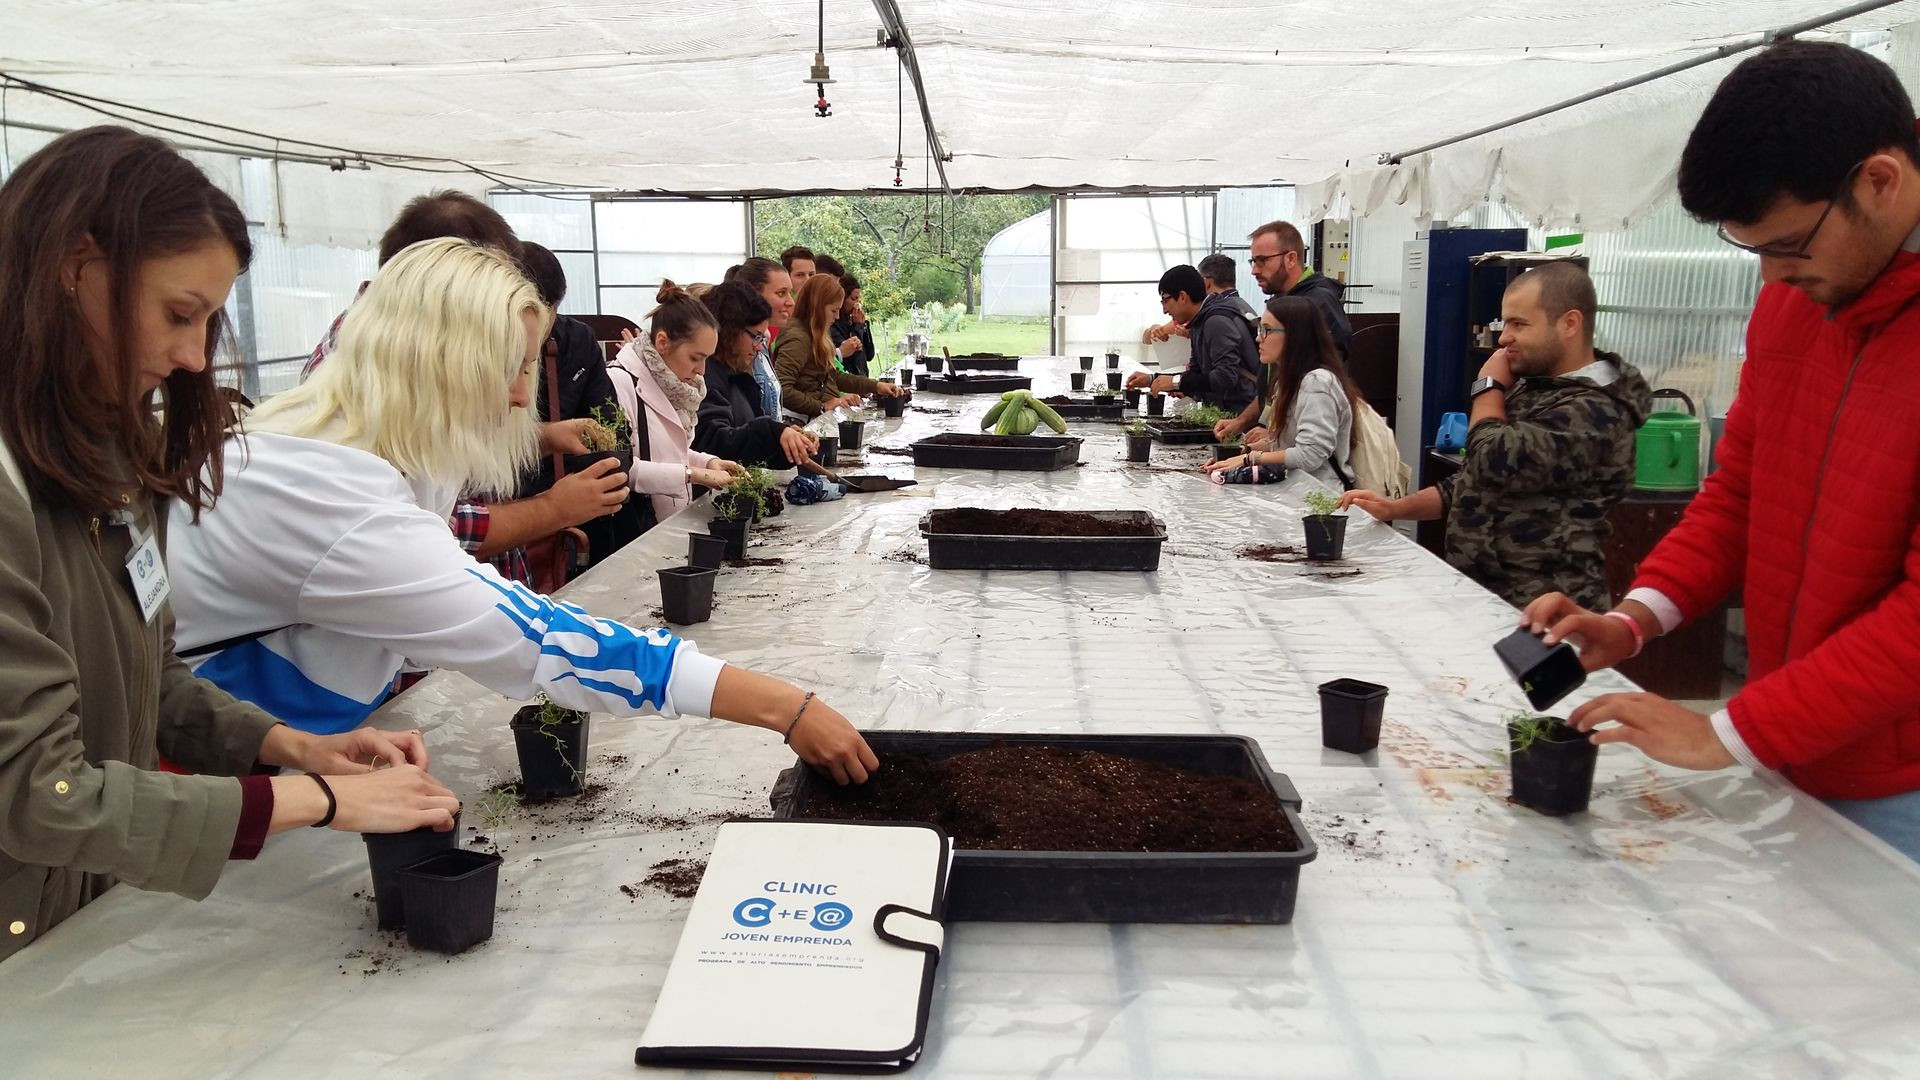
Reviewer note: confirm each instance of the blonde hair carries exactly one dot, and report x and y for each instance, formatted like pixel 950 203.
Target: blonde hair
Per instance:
pixel 814 311
pixel 421 374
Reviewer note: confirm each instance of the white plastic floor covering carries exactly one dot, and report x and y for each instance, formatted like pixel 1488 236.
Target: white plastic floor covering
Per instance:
pixel 1690 925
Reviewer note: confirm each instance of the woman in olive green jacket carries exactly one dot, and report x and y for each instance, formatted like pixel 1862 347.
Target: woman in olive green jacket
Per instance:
pixel 116 255
pixel 810 384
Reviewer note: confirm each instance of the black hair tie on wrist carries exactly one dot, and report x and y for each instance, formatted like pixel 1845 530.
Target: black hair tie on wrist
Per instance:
pixel 332 806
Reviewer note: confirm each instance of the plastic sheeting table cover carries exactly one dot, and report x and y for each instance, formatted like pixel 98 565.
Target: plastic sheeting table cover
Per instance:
pixel 1712 925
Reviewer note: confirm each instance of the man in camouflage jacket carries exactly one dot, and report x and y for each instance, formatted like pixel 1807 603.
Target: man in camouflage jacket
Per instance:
pixel 1549 453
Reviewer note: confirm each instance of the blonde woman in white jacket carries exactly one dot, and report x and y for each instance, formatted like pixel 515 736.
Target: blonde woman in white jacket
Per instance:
pixel 660 381
pixel 327 562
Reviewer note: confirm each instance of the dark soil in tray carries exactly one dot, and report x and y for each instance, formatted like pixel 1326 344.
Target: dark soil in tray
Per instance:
pixel 1028 522
pixel 1044 798
pixel 890 451
pixel 756 562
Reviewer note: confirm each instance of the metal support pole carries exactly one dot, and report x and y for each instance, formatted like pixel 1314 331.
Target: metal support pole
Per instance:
pixel 1721 53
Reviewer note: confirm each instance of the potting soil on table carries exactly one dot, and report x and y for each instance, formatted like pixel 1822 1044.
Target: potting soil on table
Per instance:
pixel 1043 798
pixel 1030 522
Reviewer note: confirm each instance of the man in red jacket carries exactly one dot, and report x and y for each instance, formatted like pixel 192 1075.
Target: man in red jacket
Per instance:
pixel 1805 156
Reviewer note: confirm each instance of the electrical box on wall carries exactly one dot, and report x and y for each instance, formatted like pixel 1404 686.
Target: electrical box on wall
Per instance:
pixel 1336 249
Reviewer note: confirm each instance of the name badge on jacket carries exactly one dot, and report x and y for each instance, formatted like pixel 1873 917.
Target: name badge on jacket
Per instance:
pixel 148 573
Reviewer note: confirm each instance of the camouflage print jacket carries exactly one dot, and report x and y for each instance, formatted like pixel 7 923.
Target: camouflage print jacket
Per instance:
pixel 1527 513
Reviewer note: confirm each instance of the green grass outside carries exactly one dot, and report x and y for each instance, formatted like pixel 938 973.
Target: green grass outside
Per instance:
pixel 1013 337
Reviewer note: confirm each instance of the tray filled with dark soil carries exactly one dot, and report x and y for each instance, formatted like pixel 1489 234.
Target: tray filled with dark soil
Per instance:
pixel 1087 408
pixel 1174 433
pixel 975 384
pixel 1027 453
pixel 1085 828
pixel 984 362
pixel 965 538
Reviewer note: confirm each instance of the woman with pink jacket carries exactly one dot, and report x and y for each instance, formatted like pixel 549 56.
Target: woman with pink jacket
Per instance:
pixel 660 383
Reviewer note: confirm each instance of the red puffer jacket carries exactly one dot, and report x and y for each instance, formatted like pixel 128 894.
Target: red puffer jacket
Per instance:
pixel 1816 509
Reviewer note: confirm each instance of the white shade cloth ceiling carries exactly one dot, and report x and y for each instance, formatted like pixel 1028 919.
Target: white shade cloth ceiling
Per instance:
pixel 709 95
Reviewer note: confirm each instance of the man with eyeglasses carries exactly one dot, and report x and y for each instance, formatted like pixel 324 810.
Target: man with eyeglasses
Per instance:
pixel 1279 260
pixel 1807 157
pixel 1223 366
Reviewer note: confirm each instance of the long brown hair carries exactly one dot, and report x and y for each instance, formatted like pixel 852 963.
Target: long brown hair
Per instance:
pixel 1307 344
pixel 818 306
pixel 736 307
pixel 72 417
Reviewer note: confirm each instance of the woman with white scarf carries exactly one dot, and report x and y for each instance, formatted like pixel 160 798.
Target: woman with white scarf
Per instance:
pixel 660 382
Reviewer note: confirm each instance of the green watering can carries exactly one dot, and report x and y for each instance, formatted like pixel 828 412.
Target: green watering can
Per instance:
pixel 1666 449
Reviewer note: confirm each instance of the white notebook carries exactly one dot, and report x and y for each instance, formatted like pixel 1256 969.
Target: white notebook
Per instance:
pixel 810 944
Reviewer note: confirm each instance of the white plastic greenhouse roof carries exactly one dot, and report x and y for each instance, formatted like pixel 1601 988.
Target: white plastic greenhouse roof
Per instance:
pixel 709 95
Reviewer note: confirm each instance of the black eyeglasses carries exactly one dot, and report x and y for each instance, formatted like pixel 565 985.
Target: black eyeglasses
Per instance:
pixel 1262 260
pixel 1268 331
pixel 1799 251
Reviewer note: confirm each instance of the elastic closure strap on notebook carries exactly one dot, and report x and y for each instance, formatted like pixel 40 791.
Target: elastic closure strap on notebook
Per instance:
pixel 896 924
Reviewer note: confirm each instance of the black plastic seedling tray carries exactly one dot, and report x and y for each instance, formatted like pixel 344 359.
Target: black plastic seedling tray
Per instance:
pixel 984 362
pixel 1027 550
pixel 975 384
pixel 1088 408
pixel 1101 886
pixel 1180 434
pixel 1026 453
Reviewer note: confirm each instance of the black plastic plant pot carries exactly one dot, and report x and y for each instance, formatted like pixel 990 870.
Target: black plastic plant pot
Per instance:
pixel 1113 361
pixel 999 885
pixel 1114 380
pixel 449 899
pixel 579 462
pixel 851 432
pixel 1086 363
pixel 1554 774
pixel 1326 536
pixel 686 594
pixel 1133 399
pixel 1156 404
pixel 1545 674
pixel 905 376
pixel 1350 713
pixel 829 452
pixel 1139 447
pixel 932 363
pixel 390 853
pixel 734 532
pixel 1078 379
pixel 1223 451
pixel 706 551
pixel 553 757
pixel 893 406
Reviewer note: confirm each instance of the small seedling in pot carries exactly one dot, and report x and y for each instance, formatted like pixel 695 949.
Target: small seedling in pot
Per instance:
pixel 1528 729
pixel 1105 393
pixel 744 498
pixel 1201 416
pixel 610 429
pixel 1138 428
pixel 1321 504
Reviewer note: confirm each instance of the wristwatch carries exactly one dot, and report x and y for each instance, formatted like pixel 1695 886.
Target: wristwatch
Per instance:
pixel 1481 386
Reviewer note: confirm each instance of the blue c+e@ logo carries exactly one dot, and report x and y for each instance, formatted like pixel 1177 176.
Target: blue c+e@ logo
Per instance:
pixel 753 911
pixel 832 916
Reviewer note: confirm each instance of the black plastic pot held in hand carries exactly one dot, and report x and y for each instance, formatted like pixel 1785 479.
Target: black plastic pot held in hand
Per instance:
pixel 390 853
